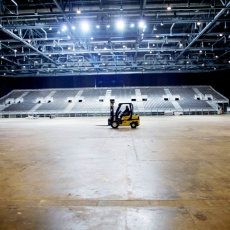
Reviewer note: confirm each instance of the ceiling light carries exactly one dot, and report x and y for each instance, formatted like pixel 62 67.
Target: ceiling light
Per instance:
pixel 68 36
pixel 91 38
pixel 179 69
pixel 85 26
pixel 162 23
pixel 108 26
pixel 73 27
pixel 120 24
pixel 50 28
pixel 50 55
pixel 220 35
pixel 132 25
pixel 121 8
pixel 69 48
pixel 78 11
pixel 15 29
pixel 141 23
pixel 198 23
pixel 64 28
pixel 58 32
pixel 200 51
pixel 169 7
pixel 29 40
pixel 154 27
pixel 150 52
pixel 2 56
pixel 124 46
pixel 99 54
pixel 216 56
pixel 97 26
pixel 157 36
pixel 153 44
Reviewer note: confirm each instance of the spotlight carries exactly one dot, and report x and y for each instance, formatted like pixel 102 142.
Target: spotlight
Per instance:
pixel 132 25
pixel 73 27
pixel 162 23
pixel 198 23
pixel 200 51
pixel 120 24
pixel 78 11
pixel 169 7
pixel 220 35
pixel 91 38
pixel 50 28
pixel 141 24
pixel 108 26
pixel 85 26
pixel 97 26
pixel 64 28
pixel 154 27
pixel 157 36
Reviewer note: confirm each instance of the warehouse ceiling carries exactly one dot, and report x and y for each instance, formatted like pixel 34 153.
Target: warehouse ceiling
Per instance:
pixel 51 38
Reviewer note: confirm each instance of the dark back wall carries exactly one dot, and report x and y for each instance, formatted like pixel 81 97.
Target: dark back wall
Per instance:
pixel 218 80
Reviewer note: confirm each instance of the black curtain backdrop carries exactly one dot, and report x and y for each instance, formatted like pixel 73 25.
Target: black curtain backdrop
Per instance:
pixel 218 80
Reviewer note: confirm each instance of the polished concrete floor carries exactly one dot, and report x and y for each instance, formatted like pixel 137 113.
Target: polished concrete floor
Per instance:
pixel 171 173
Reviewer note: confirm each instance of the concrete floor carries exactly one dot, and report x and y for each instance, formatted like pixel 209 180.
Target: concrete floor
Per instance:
pixel 171 173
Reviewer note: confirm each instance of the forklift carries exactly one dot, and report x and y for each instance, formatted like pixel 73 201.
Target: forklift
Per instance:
pixel 116 120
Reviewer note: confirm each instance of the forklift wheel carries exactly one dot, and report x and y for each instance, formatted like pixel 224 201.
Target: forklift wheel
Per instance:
pixel 114 124
pixel 133 125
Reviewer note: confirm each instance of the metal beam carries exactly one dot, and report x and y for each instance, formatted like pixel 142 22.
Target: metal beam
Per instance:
pixel 204 30
pixel 24 42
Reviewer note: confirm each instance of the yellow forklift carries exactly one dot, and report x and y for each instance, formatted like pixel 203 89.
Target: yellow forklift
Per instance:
pixel 119 119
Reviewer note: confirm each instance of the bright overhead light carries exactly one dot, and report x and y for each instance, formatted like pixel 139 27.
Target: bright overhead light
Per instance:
pixel 162 23
pixel 73 27
pixel 64 28
pixel 120 24
pixel 58 32
pixel 169 7
pixel 132 25
pixel 157 36
pixel 97 26
pixel 216 56
pixel 78 11
pixel 220 35
pixel 200 51
pixel 85 26
pixel 141 24
pixel 198 23
pixel 154 27
pixel 108 26
pixel 91 38
pixel 50 28
pixel 68 36
pixel 29 40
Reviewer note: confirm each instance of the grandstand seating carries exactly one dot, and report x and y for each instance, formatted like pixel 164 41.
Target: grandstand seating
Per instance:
pixel 95 101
